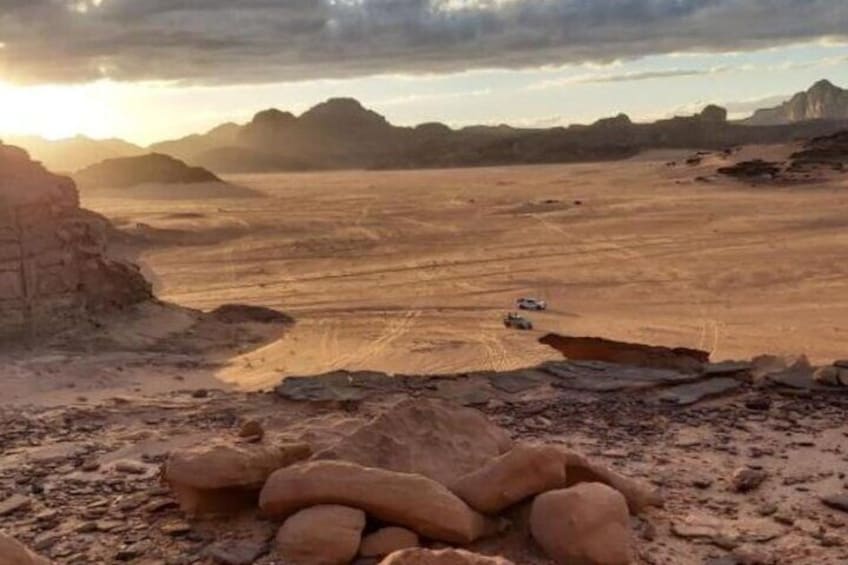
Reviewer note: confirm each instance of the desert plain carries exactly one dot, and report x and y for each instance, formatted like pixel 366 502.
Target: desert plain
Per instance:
pixel 411 271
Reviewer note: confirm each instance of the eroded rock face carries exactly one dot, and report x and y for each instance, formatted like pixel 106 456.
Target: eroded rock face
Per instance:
pixel 53 263
pixel 600 349
pixel 518 474
pixel 321 535
pixel 224 477
pixel 441 557
pixel 12 552
pixel 429 437
pixel 587 524
pixel 404 499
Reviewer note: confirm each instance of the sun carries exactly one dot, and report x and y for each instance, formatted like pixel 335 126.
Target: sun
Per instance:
pixel 53 111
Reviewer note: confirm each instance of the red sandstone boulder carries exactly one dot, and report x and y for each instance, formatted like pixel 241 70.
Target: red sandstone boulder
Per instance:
pixel 522 472
pixel 413 501
pixel 434 438
pixel 321 535
pixel 224 477
pixel 639 494
pixel 587 524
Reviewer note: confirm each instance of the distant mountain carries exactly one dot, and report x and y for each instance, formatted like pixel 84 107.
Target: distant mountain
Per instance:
pixel 823 101
pixel 154 168
pixel 341 133
pixel 72 154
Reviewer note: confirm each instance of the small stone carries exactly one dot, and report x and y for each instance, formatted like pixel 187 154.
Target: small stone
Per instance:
pixel 200 393
pixel 702 483
pixel 175 528
pixel 237 552
pixel 13 504
pixel 767 509
pixel 252 430
pixel 130 552
pixel 90 465
pixel 758 403
pixel 131 467
pixel 836 501
pixel 746 479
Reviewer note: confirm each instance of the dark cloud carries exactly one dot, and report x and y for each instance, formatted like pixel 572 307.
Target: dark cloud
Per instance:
pixel 235 41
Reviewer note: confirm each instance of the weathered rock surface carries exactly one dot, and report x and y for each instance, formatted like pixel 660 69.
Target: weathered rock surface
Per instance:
pixel 587 524
pixel 226 476
pixel 441 557
pixel 409 500
pixel 386 541
pixel 12 552
pixel 321 535
pixel 600 349
pixel 522 472
pixel 53 263
pixel 429 437
pixel 638 494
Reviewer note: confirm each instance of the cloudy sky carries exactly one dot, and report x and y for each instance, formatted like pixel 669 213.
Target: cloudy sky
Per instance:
pixel 152 69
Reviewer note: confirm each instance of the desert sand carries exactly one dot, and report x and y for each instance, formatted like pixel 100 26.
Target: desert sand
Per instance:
pixel 411 271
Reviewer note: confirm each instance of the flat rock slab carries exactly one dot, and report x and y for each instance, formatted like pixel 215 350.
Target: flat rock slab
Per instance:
pixel 691 393
pixel 727 368
pixel 800 379
pixel 513 382
pixel 599 376
pixel 337 386
pixel 13 504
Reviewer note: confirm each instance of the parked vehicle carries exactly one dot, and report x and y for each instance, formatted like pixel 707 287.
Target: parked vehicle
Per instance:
pixel 531 304
pixel 515 321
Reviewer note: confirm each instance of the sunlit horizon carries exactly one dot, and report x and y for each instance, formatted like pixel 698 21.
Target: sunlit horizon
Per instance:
pixel 646 89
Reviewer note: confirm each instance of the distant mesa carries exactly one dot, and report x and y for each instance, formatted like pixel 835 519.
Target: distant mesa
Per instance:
pixel 154 168
pixel 823 101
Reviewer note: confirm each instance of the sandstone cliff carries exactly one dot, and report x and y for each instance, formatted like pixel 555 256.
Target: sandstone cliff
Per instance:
pixel 53 264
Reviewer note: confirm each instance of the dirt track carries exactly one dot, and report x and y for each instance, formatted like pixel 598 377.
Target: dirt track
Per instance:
pixel 410 272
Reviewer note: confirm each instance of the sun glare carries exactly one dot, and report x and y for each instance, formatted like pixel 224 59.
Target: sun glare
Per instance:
pixel 53 111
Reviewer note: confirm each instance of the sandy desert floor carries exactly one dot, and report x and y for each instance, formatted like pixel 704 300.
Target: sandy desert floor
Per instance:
pixel 410 272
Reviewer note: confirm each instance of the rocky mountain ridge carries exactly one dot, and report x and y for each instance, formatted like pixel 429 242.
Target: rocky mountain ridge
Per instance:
pixel 822 101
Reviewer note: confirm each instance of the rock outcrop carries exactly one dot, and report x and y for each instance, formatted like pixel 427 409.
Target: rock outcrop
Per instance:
pixel 586 524
pixel 823 101
pixel 429 437
pixel 637 354
pixel 54 269
pixel 404 499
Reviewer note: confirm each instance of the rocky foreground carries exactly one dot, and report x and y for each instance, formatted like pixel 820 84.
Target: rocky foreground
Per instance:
pixel 570 462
